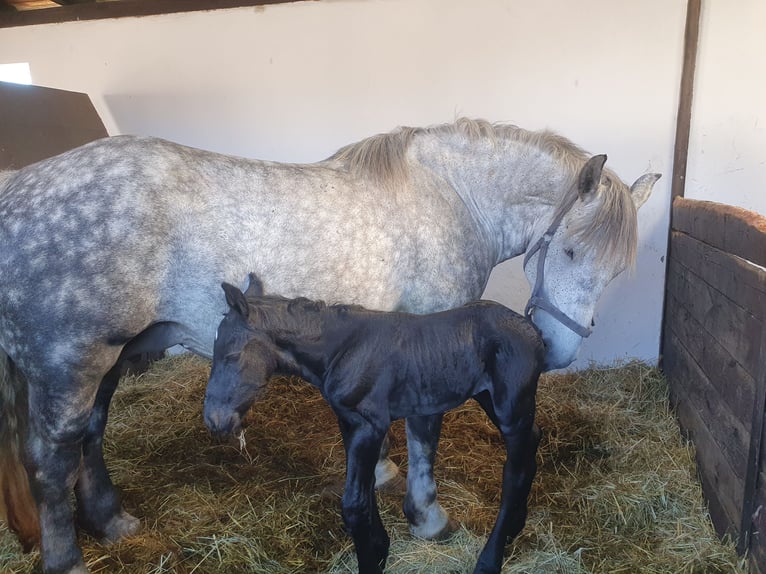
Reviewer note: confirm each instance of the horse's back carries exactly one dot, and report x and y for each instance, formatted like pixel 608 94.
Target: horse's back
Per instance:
pixel 108 238
pixel 86 244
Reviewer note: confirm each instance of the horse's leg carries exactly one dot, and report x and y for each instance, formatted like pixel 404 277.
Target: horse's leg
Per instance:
pixel 57 422
pixel 426 516
pixel 359 506
pixel 99 509
pixel 521 437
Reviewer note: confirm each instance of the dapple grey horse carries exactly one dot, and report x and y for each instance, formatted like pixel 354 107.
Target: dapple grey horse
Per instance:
pixel 120 246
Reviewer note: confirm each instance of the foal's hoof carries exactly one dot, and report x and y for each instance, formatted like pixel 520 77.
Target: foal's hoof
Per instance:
pixel 395 485
pixel 333 490
pixel 438 533
pixel 386 471
pixel 119 527
pixel 449 529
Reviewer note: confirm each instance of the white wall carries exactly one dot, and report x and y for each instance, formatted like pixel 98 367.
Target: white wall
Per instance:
pixel 727 148
pixel 294 82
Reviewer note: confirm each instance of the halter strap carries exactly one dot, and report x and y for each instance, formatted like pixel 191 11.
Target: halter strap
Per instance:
pixel 536 299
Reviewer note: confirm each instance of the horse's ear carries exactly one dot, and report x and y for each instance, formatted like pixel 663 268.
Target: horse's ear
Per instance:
pixel 642 188
pixel 254 287
pixel 236 299
pixel 590 176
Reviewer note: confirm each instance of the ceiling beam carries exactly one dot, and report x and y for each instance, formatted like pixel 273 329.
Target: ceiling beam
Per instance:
pixel 71 10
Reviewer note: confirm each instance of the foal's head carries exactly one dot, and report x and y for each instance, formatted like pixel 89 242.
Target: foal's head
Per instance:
pixel 243 360
pixel 253 341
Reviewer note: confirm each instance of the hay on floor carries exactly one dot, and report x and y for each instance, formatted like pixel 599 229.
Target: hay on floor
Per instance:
pixel 616 489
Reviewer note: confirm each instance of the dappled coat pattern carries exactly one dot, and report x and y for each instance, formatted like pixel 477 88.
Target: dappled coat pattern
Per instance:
pixel 120 246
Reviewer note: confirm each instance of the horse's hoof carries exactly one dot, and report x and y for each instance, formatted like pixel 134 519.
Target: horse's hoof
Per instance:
pixel 119 527
pixel 79 569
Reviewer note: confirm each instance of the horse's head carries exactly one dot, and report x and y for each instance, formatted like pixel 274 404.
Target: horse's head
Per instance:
pixel 590 240
pixel 242 362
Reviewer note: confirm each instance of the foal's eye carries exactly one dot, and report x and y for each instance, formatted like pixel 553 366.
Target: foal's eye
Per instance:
pixel 570 253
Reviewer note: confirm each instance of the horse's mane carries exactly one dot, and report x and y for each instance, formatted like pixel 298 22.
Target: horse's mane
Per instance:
pixel 611 228
pixel 383 157
pixel 612 231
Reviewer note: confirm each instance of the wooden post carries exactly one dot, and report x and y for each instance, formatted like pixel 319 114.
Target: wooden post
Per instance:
pixel 683 119
pixel 754 457
pixel 683 126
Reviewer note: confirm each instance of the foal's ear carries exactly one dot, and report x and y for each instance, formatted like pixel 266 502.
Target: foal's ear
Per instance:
pixel 590 176
pixel 236 299
pixel 254 287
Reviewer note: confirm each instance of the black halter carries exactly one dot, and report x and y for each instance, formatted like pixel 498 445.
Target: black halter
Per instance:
pixel 536 300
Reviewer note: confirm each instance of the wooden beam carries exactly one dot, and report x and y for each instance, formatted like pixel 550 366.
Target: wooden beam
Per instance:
pixel 121 8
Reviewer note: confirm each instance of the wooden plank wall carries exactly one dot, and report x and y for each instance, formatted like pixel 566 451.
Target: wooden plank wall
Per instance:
pixel 714 355
pixel 41 122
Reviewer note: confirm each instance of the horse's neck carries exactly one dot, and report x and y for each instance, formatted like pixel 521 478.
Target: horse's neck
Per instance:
pixel 510 187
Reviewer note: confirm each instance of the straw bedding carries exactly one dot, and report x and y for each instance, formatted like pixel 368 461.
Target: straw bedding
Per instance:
pixel 616 489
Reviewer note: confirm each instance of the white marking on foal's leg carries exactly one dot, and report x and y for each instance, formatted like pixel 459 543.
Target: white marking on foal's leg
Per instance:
pixel 437 524
pixel 386 471
pixel 426 516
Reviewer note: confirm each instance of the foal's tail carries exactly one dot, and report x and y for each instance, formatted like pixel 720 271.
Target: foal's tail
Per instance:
pixel 17 507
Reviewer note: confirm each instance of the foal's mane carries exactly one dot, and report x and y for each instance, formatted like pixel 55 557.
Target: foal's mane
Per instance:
pixel 279 314
pixel 609 228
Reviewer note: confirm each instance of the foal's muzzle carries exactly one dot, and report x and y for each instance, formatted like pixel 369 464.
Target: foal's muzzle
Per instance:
pixel 221 423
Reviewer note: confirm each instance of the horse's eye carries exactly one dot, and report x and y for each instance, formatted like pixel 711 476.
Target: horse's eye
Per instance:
pixel 570 253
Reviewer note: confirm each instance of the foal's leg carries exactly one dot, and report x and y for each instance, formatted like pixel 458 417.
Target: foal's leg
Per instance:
pixel 426 516
pixel 359 506
pixel 521 437
pixel 99 510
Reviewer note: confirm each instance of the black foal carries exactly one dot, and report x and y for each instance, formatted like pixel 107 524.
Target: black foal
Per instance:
pixel 375 367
